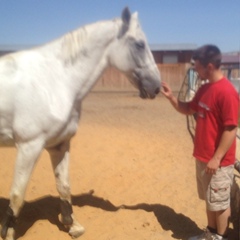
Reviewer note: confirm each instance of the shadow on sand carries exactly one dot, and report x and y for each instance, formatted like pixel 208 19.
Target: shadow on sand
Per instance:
pixel 47 208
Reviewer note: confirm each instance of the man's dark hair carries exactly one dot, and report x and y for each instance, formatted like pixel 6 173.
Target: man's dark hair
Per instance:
pixel 208 54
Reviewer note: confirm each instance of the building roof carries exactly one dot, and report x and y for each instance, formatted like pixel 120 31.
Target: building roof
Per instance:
pixel 13 48
pixel 173 47
pixel 233 57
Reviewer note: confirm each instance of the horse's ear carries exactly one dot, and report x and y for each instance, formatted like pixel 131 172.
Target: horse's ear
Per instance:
pixel 126 18
pixel 126 15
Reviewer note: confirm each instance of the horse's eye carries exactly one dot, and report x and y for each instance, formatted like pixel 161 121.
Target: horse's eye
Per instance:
pixel 140 45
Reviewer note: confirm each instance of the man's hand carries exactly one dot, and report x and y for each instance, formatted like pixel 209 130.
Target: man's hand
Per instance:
pixel 212 166
pixel 166 90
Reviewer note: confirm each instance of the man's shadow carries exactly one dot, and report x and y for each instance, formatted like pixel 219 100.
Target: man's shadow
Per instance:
pixel 48 208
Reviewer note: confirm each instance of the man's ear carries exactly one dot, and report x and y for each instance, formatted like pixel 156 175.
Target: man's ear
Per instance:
pixel 210 67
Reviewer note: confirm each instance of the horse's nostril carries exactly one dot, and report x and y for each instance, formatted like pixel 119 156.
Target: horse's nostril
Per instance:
pixel 157 90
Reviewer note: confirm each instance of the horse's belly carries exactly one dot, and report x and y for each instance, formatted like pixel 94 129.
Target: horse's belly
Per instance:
pixel 7 143
pixel 65 135
pixel 6 138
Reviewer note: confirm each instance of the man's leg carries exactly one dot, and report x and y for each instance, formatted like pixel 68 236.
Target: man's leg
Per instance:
pixel 218 200
pixel 212 222
pixel 222 218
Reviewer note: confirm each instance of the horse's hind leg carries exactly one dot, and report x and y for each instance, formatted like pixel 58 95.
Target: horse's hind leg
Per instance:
pixel 60 162
pixel 27 155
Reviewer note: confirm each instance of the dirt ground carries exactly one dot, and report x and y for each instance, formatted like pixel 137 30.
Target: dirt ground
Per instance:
pixel 132 175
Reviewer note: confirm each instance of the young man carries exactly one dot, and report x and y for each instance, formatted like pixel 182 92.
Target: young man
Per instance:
pixel 216 106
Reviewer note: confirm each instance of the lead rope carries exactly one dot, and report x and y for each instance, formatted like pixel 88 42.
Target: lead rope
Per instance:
pixel 189 87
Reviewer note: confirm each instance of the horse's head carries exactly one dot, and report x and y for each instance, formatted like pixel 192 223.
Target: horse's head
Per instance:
pixel 131 54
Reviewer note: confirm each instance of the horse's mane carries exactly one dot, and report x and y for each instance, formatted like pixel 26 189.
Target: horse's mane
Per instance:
pixel 75 43
pixel 72 44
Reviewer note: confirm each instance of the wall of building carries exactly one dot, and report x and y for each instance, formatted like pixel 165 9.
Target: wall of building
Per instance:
pixel 181 56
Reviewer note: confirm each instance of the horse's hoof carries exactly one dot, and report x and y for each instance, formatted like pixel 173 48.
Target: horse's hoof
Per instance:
pixel 76 230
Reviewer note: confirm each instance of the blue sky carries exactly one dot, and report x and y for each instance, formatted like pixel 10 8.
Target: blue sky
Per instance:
pixel 34 22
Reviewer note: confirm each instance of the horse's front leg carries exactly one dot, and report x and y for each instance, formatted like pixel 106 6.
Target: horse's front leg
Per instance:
pixel 60 162
pixel 27 155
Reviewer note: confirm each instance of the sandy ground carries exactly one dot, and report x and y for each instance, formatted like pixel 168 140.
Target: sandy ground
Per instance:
pixel 132 176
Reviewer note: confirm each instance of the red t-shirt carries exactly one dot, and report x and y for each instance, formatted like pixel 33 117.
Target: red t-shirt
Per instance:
pixel 216 105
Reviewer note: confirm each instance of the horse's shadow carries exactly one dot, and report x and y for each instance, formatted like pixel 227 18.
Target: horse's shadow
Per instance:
pixel 48 208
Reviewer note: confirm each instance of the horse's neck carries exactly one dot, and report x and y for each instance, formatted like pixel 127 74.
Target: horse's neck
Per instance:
pixel 84 53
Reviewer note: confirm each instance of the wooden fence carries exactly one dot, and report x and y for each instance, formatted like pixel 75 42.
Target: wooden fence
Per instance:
pixel 113 80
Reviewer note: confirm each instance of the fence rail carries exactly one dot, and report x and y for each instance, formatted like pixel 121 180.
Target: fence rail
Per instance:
pixel 112 79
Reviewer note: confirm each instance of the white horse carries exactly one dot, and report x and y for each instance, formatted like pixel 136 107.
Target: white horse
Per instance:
pixel 41 91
